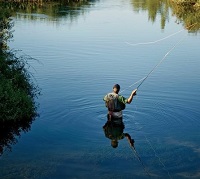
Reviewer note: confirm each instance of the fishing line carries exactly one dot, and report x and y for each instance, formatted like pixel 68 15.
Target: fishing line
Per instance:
pixel 141 82
pixel 164 167
pixel 139 159
pixel 156 41
pixel 132 85
pixel 151 146
pixel 164 57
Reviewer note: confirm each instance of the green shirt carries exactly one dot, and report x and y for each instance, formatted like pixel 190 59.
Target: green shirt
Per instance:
pixel 120 98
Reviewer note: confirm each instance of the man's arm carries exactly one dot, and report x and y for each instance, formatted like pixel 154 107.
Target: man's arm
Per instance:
pixel 131 141
pixel 131 96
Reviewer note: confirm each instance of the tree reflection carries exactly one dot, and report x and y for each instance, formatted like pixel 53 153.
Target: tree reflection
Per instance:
pixel 154 8
pixel 54 9
pixel 10 131
pixel 187 14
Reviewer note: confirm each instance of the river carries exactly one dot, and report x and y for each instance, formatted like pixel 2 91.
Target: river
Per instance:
pixel 81 52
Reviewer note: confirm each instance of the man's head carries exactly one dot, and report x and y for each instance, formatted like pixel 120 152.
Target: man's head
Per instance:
pixel 116 88
pixel 114 143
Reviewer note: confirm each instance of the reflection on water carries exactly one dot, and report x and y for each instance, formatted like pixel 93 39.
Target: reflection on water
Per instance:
pixel 154 8
pixel 80 62
pixel 51 10
pixel 114 130
pixel 69 10
pixel 186 14
pixel 10 131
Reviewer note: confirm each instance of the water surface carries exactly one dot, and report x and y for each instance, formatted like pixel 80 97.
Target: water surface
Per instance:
pixel 80 56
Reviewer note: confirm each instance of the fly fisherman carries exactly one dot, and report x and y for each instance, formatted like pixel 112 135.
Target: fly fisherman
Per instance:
pixel 116 103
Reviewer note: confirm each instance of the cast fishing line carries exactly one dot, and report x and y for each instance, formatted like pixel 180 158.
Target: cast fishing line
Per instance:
pixel 141 81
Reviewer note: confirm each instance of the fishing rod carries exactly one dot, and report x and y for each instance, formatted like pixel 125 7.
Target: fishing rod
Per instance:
pixel 141 82
pixel 164 57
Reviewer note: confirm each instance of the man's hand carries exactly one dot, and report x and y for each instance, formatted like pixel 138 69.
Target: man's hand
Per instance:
pixel 134 92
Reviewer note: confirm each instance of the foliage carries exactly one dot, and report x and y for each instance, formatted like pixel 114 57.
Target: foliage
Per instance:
pixel 5 28
pixel 17 91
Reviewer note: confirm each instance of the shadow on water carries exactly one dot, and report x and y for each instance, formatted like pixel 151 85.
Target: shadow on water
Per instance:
pixel 17 90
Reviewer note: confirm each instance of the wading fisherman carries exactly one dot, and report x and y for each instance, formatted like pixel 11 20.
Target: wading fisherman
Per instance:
pixel 116 103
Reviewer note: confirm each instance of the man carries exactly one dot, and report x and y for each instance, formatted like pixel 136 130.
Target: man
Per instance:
pixel 116 103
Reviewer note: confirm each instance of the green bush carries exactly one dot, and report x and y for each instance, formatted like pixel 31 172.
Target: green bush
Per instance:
pixel 17 90
pixel 17 93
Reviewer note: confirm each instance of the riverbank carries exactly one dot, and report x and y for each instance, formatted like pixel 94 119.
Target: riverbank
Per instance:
pixel 17 91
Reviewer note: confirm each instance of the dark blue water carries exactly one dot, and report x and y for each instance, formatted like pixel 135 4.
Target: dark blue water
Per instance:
pixel 79 60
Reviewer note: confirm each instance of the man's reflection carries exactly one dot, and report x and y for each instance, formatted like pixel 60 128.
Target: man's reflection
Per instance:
pixel 114 130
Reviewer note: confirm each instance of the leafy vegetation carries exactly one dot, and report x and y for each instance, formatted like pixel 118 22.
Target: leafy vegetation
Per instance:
pixel 17 91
